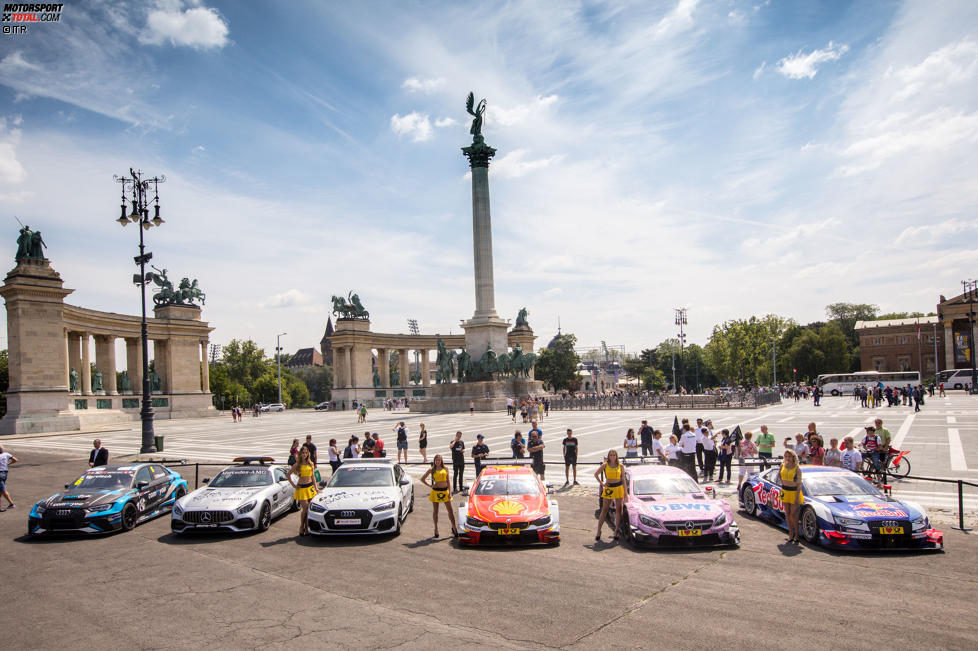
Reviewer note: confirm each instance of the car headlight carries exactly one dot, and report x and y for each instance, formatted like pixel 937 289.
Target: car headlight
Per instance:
pixel 39 509
pixel 317 508
pixel 241 510
pixel 849 522
pixel 100 507
pixel 650 522
pixel 177 511
pixel 921 523
pixel 721 520
pixel 474 522
pixel 541 522
pixel 386 506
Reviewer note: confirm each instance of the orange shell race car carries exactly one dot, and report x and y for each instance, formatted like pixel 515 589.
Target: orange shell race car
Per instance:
pixel 509 504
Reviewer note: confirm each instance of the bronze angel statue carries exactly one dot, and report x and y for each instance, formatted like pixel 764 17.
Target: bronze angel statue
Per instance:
pixel 476 112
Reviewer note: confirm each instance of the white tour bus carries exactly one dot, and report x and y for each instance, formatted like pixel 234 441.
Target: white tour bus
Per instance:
pixel 838 384
pixel 954 378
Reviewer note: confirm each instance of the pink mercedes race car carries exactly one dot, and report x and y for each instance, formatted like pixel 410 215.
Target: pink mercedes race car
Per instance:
pixel 665 507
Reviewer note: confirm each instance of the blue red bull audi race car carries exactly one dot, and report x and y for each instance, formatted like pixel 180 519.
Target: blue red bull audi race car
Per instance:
pixel 842 510
pixel 108 498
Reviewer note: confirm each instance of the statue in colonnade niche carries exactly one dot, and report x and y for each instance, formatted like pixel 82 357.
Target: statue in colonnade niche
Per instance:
pixel 396 378
pixel 155 382
pixel 97 380
pixel 376 378
pixel 73 380
pixel 125 385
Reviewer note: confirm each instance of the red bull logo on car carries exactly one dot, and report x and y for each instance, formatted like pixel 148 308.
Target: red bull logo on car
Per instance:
pixel 870 509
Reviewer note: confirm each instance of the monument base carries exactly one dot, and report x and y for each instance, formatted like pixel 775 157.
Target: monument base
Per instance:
pixel 374 397
pixel 489 395
pixel 481 332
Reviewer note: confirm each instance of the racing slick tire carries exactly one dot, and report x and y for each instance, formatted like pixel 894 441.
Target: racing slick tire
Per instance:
pixel 129 515
pixel 750 501
pixel 294 507
pixel 625 528
pixel 808 523
pixel 264 517
pixel 411 505
pixel 180 492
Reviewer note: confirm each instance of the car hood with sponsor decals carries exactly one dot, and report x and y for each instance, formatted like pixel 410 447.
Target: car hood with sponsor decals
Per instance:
pixel 83 499
pixel 683 507
pixel 505 508
pixel 869 507
pixel 208 498
pixel 356 498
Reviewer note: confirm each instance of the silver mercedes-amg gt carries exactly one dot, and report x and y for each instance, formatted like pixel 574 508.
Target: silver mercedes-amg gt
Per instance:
pixel 239 498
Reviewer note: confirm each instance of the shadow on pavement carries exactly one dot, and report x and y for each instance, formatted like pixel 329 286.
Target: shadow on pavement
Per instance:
pixel 789 549
pixel 341 540
pixel 425 542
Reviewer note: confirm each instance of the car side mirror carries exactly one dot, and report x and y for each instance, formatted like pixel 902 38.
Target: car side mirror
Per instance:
pixel 206 479
pixel 141 485
pixel 710 491
pixel 405 481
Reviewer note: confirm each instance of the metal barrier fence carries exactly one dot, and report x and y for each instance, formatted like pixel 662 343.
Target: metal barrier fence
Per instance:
pixel 735 400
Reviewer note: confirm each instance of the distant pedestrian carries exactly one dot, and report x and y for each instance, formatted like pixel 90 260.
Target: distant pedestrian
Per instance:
pixel 727 444
pixel 352 450
pixel 379 450
pixel 402 441
pixel 334 455
pixel 6 459
pixel 816 452
pixel 536 429
pixel 99 455
pixel 363 414
pixel 570 456
pixel 630 444
pixel 852 458
pixel 765 446
pixel 423 443
pixel 457 447
pixel 698 431
pixel 687 443
pixel 709 455
pixel 367 448
pixel 518 445
pixel 471 407
pixel 657 450
pixel 479 453
pixel 672 452
pixel 293 452
pixel 645 436
pixel 746 450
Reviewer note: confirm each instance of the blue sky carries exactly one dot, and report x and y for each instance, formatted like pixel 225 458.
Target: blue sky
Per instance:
pixel 735 158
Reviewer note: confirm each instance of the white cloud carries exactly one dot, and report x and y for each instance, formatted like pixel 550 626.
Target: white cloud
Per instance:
pixel 445 122
pixel 518 114
pixel 414 124
pixel 288 298
pixel 16 61
pixel 737 18
pixel 800 66
pixel 952 64
pixel 759 70
pixel 676 21
pixel 200 28
pixel 421 85
pixel 515 164
pixel 930 233
pixel 11 170
pixel 553 291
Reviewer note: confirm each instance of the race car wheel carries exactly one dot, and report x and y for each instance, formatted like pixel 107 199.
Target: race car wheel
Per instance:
pixel 129 515
pixel 625 528
pixel 177 494
pixel 750 502
pixel 411 506
pixel 809 525
pixel 265 517
pixel 294 507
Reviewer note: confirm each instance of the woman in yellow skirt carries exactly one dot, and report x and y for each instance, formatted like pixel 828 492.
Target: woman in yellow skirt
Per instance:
pixel 791 495
pixel 305 488
pixel 612 485
pixel 441 492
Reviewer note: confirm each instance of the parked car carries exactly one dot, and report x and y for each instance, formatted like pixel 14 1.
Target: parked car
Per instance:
pixel 243 497
pixel 108 498
pixel 364 496
pixel 321 406
pixel 275 406
pixel 842 510
pixel 665 507
pixel 509 504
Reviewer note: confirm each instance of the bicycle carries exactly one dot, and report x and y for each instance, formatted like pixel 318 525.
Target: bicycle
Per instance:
pixel 896 462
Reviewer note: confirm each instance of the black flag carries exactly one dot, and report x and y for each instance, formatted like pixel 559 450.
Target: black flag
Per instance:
pixel 736 434
pixel 675 427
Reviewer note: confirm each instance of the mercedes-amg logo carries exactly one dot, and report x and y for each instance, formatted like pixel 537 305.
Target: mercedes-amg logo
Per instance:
pixel 205 517
pixel 690 525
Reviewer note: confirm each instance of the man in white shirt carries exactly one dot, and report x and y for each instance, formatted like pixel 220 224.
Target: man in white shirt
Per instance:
pixel 687 454
pixel 851 457
pixel 6 459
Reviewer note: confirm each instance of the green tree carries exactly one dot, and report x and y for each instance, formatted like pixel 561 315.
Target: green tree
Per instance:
pixel 318 381
pixel 899 315
pixel 298 392
pixel 245 361
pixel 265 388
pixel 846 315
pixel 557 366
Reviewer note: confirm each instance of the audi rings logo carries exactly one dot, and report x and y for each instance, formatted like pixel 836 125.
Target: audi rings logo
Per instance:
pixel 205 516
pixel 889 523
pixel 64 512
pixel 690 525
pixel 347 514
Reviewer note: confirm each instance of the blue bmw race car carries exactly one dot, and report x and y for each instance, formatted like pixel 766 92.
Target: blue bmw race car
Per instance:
pixel 108 498
pixel 842 510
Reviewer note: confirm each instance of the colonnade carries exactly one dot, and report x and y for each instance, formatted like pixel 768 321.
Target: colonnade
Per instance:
pixel 352 366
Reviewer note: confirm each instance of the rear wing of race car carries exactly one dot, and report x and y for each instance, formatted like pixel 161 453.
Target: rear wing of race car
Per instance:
pixel 262 461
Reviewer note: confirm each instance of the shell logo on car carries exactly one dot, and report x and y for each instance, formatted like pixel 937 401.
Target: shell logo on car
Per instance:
pixel 507 507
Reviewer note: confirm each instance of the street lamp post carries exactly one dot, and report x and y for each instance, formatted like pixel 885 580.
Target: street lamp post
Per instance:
pixel 278 358
pixel 681 322
pixel 135 191
pixel 971 292
pixel 774 358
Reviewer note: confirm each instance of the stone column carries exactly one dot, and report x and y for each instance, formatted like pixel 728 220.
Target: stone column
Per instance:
pixel 479 155
pixel 404 365
pixel 162 365
pixel 340 369
pixel 74 354
pixel 384 367
pixel 67 360
pixel 423 370
pixel 86 364
pixel 205 369
pixel 348 360
pixel 105 362
pixel 134 364
pixel 949 344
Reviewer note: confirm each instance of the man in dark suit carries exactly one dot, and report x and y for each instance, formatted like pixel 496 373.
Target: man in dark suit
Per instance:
pixel 99 456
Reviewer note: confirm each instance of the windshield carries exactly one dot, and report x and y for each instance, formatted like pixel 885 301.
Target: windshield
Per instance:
pixel 665 485
pixel 508 486
pixel 361 476
pixel 241 478
pixel 102 481
pixel 837 484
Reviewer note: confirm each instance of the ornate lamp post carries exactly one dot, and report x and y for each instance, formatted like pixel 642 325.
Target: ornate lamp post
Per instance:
pixel 971 292
pixel 136 191
pixel 681 322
